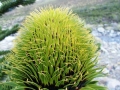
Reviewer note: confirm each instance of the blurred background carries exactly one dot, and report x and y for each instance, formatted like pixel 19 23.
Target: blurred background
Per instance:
pixel 102 16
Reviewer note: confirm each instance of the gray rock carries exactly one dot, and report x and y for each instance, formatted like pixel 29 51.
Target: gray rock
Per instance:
pixel 100 25
pixel 105 25
pixel 95 33
pixel 103 50
pixel 101 30
pixel 20 6
pixel 105 71
pixel 114 25
pixel 7 43
pixel 118 26
pixel 112 33
pixel 109 28
pixel 1 56
pixel 117 88
pixel 110 83
pixel 118 33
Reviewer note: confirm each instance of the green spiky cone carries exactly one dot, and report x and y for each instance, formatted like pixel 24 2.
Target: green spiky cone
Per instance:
pixel 54 50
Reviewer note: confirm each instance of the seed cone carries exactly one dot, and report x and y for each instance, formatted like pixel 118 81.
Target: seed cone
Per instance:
pixel 54 50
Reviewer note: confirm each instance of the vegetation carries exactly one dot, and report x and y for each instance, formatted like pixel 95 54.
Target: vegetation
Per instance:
pixel 4 33
pixel 26 2
pixel 4 52
pixel 10 4
pixel 54 51
pixel 6 87
pixel 2 0
pixel 2 67
pixel 2 74
pixel 105 13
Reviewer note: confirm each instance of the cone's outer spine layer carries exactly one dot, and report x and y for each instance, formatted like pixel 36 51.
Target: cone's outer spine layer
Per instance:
pixel 54 50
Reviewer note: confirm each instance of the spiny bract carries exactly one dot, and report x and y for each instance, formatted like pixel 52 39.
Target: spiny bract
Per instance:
pixel 54 50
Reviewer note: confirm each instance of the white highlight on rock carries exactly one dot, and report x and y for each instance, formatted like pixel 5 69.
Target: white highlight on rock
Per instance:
pixel 7 43
pixel 0 4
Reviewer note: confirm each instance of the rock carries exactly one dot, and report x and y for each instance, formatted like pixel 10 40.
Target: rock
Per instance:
pixel 117 88
pixel 109 28
pixel 0 4
pixel 105 71
pixel 112 33
pixel 100 25
pixel 7 43
pixel 114 25
pixel 118 33
pixel 1 56
pixel 110 83
pixel 101 30
pixel 95 33
pixel 118 26
pixel 114 51
pixel 89 26
pixel 20 6
pixel 105 25
pixel 109 57
pixel 37 0
pixel 118 63
pixel 103 50
pixel 15 21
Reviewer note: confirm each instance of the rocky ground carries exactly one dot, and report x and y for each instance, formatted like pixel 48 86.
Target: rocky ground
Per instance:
pixel 109 37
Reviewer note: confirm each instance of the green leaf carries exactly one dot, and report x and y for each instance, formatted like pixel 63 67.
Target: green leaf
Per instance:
pixel 93 87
